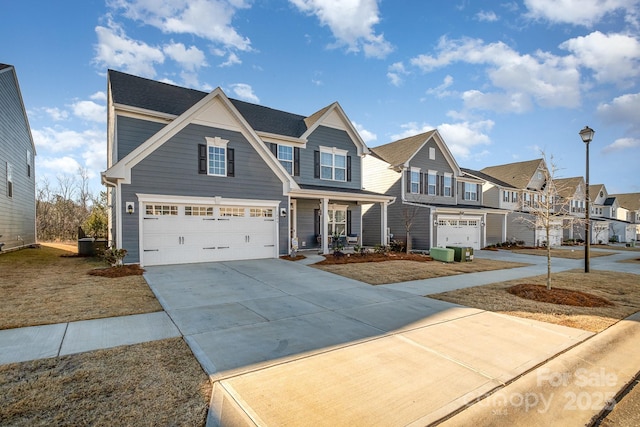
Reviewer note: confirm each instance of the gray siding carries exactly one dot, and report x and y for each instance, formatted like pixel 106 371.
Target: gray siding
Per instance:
pixel 17 213
pixel 494 224
pixel 464 201
pixel 520 230
pixel 441 166
pixel 173 170
pixel 329 137
pixel 132 133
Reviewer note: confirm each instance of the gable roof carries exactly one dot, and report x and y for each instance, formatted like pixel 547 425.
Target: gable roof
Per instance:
pixel 398 153
pixel 153 95
pixel 485 177
pixel 567 187
pixel 214 101
pixel 594 191
pixel 6 68
pixel 629 201
pixel 517 174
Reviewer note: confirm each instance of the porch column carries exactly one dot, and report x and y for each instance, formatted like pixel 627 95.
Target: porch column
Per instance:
pixel 383 224
pixel 325 226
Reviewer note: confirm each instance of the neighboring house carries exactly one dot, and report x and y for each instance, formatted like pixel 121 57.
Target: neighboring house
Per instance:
pixel 529 180
pixel 600 213
pixel 17 167
pixel 630 212
pixel 503 198
pixel 435 201
pixel 195 176
pixel 571 201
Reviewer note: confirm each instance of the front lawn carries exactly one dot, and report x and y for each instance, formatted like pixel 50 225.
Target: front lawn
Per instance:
pixel 48 285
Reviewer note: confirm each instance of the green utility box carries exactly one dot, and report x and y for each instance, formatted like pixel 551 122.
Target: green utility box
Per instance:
pixel 462 253
pixel 442 254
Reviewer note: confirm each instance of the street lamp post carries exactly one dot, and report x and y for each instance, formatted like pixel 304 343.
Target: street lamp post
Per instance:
pixel 587 135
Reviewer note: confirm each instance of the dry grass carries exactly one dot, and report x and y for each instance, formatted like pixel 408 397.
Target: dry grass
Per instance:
pixel 380 273
pixel 373 257
pixel 577 253
pixel 39 286
pixel 622 289
pixel 150 384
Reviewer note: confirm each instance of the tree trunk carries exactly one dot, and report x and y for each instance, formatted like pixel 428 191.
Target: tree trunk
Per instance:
pixel 409 245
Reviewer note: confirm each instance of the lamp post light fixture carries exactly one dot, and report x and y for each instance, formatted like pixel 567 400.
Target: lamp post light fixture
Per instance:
pixel 587 135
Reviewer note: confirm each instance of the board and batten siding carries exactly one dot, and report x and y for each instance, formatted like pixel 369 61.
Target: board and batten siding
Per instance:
pixel 17 213
pixel 172 169
pixel 329 137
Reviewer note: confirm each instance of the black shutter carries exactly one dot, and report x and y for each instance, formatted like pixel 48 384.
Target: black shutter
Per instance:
pixel 296 161
pixel 202 159
pixel 348 222
pixel 454 190
pixel 422 187
pixel 462 190
pixel 274 149
pixel 408 181
pixel 231 163
pixel 348 168
pixel 316 164
pixel 316 222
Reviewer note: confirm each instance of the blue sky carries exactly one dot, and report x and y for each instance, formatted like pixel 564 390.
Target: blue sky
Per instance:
pixel 501 80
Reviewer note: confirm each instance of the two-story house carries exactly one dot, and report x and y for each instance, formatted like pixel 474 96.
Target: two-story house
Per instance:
pixel 525 188
pixel 629 212
pixel 195 176
pixel 17 167
pixel 600 207
pixel 571 202
pixel 435 203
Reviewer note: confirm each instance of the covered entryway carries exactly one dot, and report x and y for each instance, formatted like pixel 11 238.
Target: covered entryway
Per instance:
pixel 458 231
pixel 181 233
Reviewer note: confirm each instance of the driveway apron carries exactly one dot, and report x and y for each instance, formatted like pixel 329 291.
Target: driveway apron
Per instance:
pixel 287 343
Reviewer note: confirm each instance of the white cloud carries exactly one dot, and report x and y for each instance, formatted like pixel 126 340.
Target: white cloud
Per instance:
pixel 440 90
pixel 232 59
pixel 208 19
pixel 396 73
pixel 190 58
pixel 351 23
pixel 57 165
pixel 614 58
pixel 501 102
pixel 489 16
pixel 115 50
pixel 245 92
pixel 577 12
pixel 622 144
pixel 99 96
pixel 461 137
pixel 521 79
pixel 623 109
pixel 89 110
pixel 57 114
pixel 367 136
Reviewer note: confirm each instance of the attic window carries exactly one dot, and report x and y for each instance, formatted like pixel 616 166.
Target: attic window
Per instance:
pixel 432 153
pixel 9 180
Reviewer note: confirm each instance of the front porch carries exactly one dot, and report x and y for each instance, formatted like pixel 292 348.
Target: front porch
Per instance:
pixel 318 216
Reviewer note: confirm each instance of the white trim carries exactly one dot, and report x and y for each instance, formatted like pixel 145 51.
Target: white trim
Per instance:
pixel 361 147
pixel 337 195
pixel 143 114
pixel 195 200
pixel 279 139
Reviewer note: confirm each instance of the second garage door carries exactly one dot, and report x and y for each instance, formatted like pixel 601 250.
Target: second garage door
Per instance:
pixel 458 232
pixel 181 233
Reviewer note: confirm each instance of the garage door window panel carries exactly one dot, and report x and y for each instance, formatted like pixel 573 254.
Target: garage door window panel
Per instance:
pixel 160 210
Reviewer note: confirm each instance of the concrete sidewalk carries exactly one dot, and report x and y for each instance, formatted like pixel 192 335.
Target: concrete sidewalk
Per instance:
pixel 41 342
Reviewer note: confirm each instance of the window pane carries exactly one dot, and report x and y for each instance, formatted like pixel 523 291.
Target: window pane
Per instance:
pixel 326 159
pixel 326 172
pixel 217 161
pixel 341 175
pixel 285 152
pixel 340 161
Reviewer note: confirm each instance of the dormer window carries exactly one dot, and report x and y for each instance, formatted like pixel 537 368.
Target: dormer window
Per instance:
pixel 333 164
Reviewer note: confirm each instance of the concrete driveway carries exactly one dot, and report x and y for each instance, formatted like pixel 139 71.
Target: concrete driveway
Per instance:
pixel 287 343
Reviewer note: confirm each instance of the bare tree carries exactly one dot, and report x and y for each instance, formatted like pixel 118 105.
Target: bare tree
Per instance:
pixel 546 211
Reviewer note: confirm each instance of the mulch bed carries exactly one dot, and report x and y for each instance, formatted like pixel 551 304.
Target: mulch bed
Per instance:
pixel 113 272
pixel 372 257
pixel 298 257
pixel 558 296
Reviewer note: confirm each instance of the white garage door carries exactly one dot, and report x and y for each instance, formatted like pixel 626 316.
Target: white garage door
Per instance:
pixel 181 233
pixel 458 231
